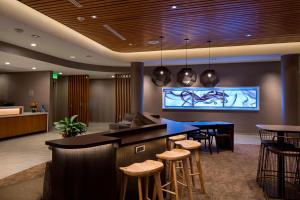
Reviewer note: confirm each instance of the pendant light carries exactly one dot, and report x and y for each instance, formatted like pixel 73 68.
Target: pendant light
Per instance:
pixel 186 76
pixel 209 77
pixel 161 76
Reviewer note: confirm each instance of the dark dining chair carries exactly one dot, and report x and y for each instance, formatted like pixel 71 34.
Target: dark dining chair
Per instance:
pixel 202 134
pixel 282 181
pixel 266 139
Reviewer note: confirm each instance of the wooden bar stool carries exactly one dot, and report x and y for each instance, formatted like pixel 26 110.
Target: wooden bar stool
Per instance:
pixel 143 170
pixel 172 157
pixel 173 139
pixel 194 147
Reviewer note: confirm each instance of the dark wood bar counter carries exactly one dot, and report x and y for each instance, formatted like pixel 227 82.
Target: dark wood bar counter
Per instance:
pixel 86 167
pixel 89 164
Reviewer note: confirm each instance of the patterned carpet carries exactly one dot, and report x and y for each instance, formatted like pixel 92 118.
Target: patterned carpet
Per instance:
pixel 227 176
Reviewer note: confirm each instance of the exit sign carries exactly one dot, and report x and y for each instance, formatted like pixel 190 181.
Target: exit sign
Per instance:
pixel 54 75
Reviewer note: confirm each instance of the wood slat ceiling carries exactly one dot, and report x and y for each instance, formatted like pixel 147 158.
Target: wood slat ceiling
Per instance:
pixel 225 22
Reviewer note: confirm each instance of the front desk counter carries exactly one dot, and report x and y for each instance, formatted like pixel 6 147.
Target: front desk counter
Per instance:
pixel 22 124
pixel 86 167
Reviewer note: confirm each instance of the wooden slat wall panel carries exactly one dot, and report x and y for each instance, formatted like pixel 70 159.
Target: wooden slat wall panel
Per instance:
pixel 225 22
pixel 78 97
pixel 123 100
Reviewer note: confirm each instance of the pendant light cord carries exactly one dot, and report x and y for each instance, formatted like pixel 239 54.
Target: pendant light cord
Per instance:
pixel 209 41
pixel 161 41
pixel 186 44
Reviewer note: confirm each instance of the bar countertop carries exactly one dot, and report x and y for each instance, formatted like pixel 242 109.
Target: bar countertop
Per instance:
pixel 162 128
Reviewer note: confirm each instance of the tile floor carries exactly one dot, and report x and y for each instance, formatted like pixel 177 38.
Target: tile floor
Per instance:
pixel 22 153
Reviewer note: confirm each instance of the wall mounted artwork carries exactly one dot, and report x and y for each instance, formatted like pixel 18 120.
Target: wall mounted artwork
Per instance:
pixel 241 98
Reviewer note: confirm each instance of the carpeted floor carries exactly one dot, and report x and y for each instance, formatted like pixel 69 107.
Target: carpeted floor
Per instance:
pixel 227 176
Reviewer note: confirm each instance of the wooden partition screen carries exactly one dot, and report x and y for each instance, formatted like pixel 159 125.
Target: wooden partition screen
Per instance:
pixel 123 100
pixel 78 97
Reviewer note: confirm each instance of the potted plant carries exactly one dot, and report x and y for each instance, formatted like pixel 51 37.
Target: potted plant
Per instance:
pixel 69 127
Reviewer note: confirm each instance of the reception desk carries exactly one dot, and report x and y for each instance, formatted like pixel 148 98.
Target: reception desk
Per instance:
pixel 22 124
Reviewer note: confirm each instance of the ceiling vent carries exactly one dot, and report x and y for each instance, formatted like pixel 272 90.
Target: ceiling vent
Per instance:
pixel 76 3
pixel 113 31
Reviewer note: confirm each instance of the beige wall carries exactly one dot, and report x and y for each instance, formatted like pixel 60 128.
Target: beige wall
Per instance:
pixel 26 87
pixel 102 100
pixel 265 75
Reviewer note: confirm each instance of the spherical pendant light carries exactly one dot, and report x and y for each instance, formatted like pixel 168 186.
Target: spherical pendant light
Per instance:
pixel 186 76
pixel 161 76
pixel 209 77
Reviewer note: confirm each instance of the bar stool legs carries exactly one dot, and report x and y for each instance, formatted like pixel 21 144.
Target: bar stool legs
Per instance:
pixel 123 186
pixel 194 148
pixel 143 170
pixel 199 167
pixel 172 157
pixel 187 178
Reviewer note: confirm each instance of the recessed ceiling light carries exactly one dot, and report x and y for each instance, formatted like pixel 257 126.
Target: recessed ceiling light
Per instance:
pixel 7 63
pixel 248 35
pixel 33 44
pixel 19 30
pixel 34 68
pixel 94 17
pixel 152 42
pixel 35 36
pixel 60 73
pixel 73 57
pixel 130 44
pixel 81 19
pixel 113 76
pixel 174 7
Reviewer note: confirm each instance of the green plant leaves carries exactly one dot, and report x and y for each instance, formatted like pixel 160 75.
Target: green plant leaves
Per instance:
pixel 69 127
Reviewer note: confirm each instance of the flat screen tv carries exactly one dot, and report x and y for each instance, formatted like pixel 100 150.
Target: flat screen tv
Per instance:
pixel 221 98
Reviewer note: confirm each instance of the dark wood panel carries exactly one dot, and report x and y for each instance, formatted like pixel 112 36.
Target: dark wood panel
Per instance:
pixel 23 124
pixel 225 22
pixel 122 94
pixel 78 97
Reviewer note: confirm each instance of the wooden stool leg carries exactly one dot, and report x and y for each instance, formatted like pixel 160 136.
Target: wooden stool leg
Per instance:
pixel 146 186
pixel 197 156
pixel 123 187
pixel 187 178
pixel 192 169
pixel 157 182
pixel 175 180
pixel 171 174
pixel 140 188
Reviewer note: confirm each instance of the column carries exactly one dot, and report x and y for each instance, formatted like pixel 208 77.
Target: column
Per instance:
pixel 290 88
pixel 137 87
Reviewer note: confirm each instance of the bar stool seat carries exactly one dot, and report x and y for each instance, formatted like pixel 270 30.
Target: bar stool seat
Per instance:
pixel 171 141
pixel 174 154
pixel 143 170
pixel 189 144
pixel 194 147
pixel 177 138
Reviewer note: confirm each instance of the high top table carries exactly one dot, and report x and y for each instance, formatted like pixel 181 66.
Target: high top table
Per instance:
pixel 221 126
pixel 281 130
